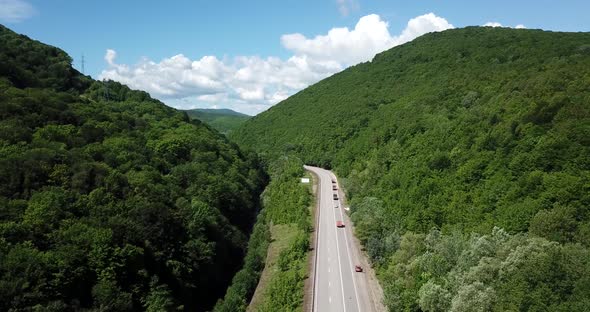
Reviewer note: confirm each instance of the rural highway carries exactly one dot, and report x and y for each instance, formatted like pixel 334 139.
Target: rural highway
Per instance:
pixel 337 287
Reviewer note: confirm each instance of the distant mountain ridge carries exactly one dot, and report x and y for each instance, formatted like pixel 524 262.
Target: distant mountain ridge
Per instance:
pixel 223 120
pixel 218 111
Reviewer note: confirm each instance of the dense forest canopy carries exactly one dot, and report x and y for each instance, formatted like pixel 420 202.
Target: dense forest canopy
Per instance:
pixel 109 200
pixel 467 157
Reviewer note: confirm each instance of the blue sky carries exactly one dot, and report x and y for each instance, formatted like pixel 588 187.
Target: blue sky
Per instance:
pixel 235 53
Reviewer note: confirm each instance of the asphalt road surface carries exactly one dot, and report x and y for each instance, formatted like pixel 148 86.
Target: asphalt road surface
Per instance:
pixel 337 287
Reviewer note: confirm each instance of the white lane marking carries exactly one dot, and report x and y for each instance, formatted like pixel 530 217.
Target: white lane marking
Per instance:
pixel 329 270
pixel 339 262
pixel 329 284
pixel 330 299
pixel 349 259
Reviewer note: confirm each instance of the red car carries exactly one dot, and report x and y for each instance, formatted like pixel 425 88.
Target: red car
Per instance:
pixel 339 224
pixel 358 268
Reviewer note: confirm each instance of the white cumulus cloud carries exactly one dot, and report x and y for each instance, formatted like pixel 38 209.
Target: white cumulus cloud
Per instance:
pixel 421 25
pixel 496 24
pixel 251 84
pixel 369 36
pixel 342 45
pixel 14 11
pixel 110 57
pixel 492 24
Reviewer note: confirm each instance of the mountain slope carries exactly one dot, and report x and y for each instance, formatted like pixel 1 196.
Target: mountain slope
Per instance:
pixel 217 112
pixel 109 200
pixel 458 138
pixel 222 120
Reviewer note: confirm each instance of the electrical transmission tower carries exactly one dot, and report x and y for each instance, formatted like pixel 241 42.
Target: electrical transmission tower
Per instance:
pixel 82 61
pixel 106 89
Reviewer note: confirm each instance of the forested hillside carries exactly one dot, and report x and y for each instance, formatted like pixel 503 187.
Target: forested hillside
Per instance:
pixel 222 120
pixel 109 200
pixel 466 154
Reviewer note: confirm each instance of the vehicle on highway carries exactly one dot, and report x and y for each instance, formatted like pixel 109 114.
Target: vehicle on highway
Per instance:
pixel 334 187
pixel 335 196
pixel 339 224
pixel 333 181
pixel 358 268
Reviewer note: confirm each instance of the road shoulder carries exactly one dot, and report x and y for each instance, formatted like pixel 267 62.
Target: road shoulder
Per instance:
pixel 309 290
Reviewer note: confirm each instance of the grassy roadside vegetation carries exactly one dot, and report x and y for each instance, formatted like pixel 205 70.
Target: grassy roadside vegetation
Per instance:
pixel 285 214
pixel 281 237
